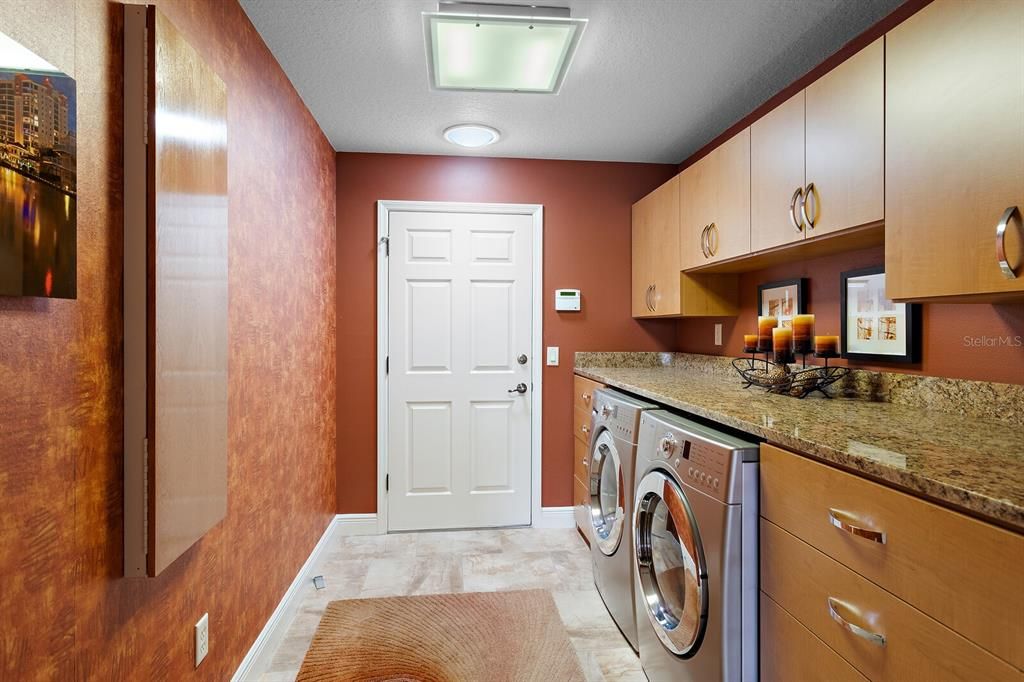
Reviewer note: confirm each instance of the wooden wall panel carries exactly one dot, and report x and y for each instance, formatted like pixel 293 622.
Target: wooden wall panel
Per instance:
pixel 65 612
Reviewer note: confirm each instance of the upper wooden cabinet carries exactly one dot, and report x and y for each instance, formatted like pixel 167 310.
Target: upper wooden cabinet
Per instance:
pixel 817 160
pixel 659 288
pixel 954 151
pixel 656 252
pixel 715 204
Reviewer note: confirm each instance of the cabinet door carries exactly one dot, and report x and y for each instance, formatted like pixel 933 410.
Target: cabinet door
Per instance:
pixel 664 247
pixel 641 258
pixel 730 235
pixel 777 175
pixel 954 149
pixel 655 252
pixel 846 143
pixel 696 205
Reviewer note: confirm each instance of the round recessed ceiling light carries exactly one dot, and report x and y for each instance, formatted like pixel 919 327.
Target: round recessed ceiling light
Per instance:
pixel 471 135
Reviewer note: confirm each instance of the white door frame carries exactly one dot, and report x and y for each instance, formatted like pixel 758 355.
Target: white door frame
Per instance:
pixel 384 209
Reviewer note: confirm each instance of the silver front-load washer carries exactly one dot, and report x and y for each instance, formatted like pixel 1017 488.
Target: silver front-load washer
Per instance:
pixel 696 557
pixel 615 419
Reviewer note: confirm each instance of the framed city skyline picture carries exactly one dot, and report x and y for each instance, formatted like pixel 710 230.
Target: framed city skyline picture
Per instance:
pixel 38 187
pixel 875 329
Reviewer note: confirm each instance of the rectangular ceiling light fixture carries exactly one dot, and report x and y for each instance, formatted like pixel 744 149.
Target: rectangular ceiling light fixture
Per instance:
pixel 500 48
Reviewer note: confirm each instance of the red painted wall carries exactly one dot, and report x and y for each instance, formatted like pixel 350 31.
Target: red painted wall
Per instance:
pixel 65 611
pixel 587 220
pixel 949 348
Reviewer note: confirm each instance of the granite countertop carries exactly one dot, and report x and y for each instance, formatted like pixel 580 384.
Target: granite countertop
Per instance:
pixel 968 463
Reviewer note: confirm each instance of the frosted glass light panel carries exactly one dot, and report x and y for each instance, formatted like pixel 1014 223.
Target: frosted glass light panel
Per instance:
pixel 500 54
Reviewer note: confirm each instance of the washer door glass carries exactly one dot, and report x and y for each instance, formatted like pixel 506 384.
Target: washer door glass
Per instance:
pixel 670 564
pixel 607 507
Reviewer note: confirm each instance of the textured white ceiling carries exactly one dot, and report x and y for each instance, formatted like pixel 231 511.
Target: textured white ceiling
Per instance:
pixel 653 80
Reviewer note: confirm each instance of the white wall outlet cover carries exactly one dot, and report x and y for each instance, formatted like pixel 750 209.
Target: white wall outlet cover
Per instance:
pixel 202 638
pixel 552 356
pixel 718 334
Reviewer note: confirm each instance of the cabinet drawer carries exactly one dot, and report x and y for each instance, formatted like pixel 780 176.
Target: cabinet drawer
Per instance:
pixel 963 572
pixel 790 653
pixel 580 459
pixel 802 581
pixel 583 392
pixel 581 424
pixel 581 507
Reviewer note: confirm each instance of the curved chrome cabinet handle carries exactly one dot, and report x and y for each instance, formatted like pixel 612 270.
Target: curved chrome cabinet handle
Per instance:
pixel 712 243
pixel 1004 264
pixel 704 241
pixel 654 298
pixel 873 637
pixel 647 296
pixel 797 194
pixel 861 532
pixel 809 194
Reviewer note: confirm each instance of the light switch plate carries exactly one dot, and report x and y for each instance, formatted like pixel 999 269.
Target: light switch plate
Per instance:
pixel 553 356
pixel 202 638
pixel 718 334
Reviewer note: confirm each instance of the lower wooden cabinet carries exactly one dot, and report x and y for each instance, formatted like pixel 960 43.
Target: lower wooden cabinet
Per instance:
pixel 583 396
pixel 791 653
pixel 881 635
pixel 900 588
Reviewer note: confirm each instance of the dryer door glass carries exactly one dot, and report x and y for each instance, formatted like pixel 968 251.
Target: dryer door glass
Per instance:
pixel 607 507
pixel 670 564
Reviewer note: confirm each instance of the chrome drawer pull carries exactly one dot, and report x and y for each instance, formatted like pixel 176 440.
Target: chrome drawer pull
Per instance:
pixel 704 241
pixel 873 637
pixel 584 428
pixel 861 532
pixel 1004 265
pixel 798 194
pixel 586 397
pixel 809 196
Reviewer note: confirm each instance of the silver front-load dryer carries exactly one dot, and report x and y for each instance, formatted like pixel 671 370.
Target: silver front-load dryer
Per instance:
pixel 615 419
pixel 696 559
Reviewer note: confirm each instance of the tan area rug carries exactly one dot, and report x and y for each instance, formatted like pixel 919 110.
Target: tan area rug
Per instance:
pixel 465 637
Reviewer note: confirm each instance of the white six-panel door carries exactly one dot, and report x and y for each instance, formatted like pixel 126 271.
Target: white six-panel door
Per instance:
pixel 459 317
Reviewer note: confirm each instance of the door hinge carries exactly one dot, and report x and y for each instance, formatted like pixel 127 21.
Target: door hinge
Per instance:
pixel 387 482
pixel 387 364
pixel 386 241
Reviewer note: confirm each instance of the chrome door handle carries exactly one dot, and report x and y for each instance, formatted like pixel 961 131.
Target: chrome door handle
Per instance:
pixel 1004 264
pixel 873 637
pixel 654 298
pixel 809 194
pixel 797 194
pixel 520 388
pixel 704 241
pixel 712 243
pixel 861 532
pixel 647 297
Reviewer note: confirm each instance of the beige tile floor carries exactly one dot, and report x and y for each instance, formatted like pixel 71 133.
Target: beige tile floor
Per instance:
pixel 465 561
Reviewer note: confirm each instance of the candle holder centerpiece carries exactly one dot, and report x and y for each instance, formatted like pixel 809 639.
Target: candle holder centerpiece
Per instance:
pixel 775 375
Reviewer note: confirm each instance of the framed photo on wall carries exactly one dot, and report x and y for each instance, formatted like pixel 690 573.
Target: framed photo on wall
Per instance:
pixel 783 300
pixel 875 329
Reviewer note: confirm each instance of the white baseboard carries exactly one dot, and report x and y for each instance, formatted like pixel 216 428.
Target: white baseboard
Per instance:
pixel 356 524
pixel 286 608
pixel 556 517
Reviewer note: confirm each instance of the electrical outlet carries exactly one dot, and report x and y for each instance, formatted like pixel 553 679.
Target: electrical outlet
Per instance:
pixel 202 638
pixel 718 334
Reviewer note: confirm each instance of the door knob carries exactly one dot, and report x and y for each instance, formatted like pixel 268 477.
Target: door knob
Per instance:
pixel 521 359
pixel 520 388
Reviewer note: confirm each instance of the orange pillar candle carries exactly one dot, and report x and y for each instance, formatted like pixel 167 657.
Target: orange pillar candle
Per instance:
pixel 782 344
pixel 750 343
pixel 826 346
pixel 765 325
pixel 803 333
